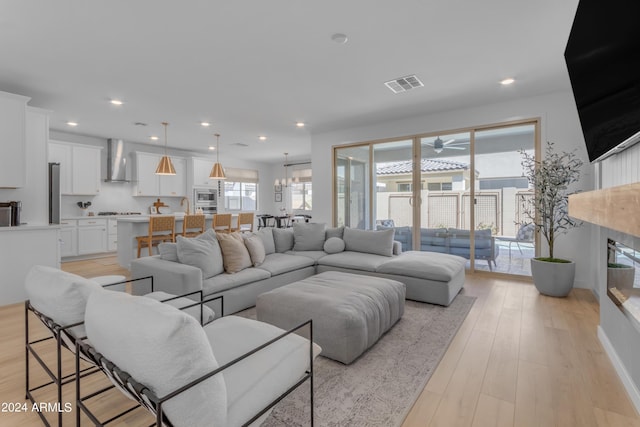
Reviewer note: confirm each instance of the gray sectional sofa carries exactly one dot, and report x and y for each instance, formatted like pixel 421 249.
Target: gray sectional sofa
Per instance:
pixel 296 253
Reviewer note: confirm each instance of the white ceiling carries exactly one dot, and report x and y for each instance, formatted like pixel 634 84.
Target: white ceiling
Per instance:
pixel 255 67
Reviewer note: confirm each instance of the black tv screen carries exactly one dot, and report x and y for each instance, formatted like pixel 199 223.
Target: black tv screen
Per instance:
pixel 603 60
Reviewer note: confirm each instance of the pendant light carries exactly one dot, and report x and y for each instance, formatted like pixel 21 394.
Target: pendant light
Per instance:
pixel 217 172
pixel 286 181
pixel 165 167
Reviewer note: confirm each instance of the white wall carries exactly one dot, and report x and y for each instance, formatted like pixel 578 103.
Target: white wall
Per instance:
pixel 621 335
pixel 559 124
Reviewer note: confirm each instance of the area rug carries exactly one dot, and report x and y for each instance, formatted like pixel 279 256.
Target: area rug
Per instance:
pixel 380 387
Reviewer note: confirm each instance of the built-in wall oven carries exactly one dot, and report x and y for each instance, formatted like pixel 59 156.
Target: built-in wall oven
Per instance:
pixel 205 199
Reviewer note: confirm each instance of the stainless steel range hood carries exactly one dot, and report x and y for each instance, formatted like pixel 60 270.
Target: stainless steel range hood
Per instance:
pixel 116 161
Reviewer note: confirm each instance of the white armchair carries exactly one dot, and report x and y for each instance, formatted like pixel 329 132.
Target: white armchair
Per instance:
pixel 227 373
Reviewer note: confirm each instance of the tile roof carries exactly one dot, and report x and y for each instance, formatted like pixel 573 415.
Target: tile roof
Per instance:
pixel 426 165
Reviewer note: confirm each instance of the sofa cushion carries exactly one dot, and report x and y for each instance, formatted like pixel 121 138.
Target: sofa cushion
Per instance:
pixel 256 249
pixel 207 313
pixel 59 295
pixel 266 234
pixel 314 255
pixel 201 253
pixel 283 238
pixel 161 347
pixel 235 255
pixel 280 365
pixel 425 265
pixel 168 251
pixel 334 245
pixel 461 238
pixel 334 232
pixel 368 241
pixel 433 236
pixel 222 282
pixel 354 260
pixel 308 236
pixel 283 263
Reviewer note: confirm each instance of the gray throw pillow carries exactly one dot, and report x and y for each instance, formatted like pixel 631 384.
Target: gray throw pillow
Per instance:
pixel 334 232
pixel 308 236
pixel 168 251
pixel 334 245
pixel 202 253
pixel 370 242
pixel 255 246
pixel 266 234
pixel 283 238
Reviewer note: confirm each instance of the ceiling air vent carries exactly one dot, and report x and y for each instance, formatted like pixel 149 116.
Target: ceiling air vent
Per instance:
pixel 239 144
pixel 404 84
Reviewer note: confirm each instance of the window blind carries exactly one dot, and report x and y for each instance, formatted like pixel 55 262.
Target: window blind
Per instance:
pixel 241 175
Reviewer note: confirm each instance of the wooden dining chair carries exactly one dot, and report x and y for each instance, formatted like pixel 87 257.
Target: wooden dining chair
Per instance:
pixel 193 225
pixel 161 229
pixel 245 221
pixel 221 223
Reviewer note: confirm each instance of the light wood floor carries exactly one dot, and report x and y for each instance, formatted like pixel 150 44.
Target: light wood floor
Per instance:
pixel 519 359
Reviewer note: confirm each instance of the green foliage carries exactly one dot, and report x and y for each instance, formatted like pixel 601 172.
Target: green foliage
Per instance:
pixel 551 178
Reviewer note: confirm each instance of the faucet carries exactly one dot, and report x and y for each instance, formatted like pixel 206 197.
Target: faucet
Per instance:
pixel 188 204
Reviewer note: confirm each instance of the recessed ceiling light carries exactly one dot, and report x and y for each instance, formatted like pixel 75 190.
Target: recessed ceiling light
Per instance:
pixel 205 124
pixel 116 102
pixel 506 82
pixel 153 138
pixel 339 38
pixel 73 124
pixel 300 124
pixel 211 147
pixel 262 138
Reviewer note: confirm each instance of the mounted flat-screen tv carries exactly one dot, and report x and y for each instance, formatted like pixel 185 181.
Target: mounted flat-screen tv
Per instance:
pixel 603 60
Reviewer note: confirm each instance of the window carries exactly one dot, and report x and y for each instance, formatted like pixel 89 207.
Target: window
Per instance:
pixel 404 186
pixel 301 196
pixel 301 193
pixel 439 186
pixel 241 190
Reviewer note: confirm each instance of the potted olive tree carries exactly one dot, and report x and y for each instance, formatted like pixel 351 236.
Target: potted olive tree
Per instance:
pixel 548 211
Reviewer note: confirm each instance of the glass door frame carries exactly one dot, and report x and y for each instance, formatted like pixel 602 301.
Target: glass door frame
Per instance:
pixel 416 177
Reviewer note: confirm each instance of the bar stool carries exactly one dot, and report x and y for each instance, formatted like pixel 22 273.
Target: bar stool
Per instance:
pixel 221 223
pixel 164 224
pixel 245 222
pixel 193 222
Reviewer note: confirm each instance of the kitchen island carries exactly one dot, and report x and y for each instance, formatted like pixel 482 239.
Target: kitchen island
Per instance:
pixel 21 248
pixel 129 227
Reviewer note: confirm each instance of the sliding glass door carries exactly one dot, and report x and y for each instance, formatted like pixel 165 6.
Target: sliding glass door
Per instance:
pixel 459 193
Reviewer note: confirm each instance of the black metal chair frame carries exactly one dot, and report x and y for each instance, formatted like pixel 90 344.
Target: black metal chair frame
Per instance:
pixel 64 339
pixel 147 399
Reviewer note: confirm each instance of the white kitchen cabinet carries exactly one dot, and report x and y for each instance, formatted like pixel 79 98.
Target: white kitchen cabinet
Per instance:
pixel 68 238
pixel 150 184
pixel 92 236
pixel 13 154
pixel 201 168
pixel 79 167
pixel 175 185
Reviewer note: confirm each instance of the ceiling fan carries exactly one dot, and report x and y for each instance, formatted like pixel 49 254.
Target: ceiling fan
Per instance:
pixel 439 145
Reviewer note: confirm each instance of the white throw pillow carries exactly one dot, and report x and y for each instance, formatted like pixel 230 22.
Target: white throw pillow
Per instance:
pixel 59 295
pixel 334 245
pixel 208 315
pixel 162 348
pixel 266 234
pixel 168 251
pixel 256 249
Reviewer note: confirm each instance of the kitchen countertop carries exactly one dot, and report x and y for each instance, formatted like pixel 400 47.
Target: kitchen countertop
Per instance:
pixel 145 218
pixel 28 227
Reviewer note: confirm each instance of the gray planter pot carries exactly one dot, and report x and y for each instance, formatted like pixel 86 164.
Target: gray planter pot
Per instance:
pixel 554 279
pixel 620 277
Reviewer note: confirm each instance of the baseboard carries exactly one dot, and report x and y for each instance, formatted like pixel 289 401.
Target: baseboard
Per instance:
pixel 628 383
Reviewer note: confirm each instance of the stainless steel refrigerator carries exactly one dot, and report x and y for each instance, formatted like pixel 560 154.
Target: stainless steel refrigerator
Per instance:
pixel 54 193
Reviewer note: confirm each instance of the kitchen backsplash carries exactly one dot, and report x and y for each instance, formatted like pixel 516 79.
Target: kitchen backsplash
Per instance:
pixel 115 197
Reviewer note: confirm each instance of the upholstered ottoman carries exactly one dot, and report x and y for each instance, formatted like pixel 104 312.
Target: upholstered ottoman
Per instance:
pixel 350 312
